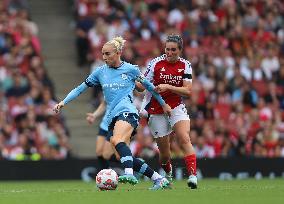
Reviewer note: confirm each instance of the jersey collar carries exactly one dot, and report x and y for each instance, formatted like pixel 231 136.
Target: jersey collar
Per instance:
pixel 122 62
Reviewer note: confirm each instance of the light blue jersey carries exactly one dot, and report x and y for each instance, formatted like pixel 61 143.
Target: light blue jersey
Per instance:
pixel 117 85
pixel 104 124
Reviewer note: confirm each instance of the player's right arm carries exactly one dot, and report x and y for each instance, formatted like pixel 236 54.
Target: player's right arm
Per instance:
pixel 71 96
pixel 92 80
pixel 91 117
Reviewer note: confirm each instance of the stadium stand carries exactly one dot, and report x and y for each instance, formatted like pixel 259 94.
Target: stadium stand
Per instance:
pixel 29 130
pixel 236 50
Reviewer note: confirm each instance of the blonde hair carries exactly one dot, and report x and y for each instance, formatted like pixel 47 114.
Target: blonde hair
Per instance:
pixel 117 42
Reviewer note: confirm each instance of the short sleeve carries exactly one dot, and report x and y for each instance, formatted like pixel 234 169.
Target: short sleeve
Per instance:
pixel 149 74
pixel 92 79
pixel 136 72
pixel 187 71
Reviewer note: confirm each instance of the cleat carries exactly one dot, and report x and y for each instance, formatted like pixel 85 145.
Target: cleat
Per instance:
pixel 128 178
pixel 169 176
pixel 192 182
pixel 160 183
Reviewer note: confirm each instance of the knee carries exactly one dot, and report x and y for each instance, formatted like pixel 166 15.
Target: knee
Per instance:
pixel 115 140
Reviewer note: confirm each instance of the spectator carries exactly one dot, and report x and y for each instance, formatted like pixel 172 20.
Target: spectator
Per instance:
pixel 26 92
pixel 236 50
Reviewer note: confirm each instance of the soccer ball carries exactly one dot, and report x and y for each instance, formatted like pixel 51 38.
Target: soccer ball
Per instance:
pixel 107 179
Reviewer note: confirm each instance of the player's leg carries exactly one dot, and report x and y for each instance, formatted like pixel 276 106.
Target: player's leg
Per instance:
pixel 139 166
pixel 143 168
pixel 122 130
pixel 181 125
pixel 182 129
pixel 165 155
pixel 100 142
pixel 109 153
pixel 161 129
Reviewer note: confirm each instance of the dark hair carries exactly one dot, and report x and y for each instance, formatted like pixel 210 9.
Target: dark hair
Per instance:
pixel 176 39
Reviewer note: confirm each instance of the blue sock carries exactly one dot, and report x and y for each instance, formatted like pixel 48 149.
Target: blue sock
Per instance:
pixel 125 154
pixel 142 168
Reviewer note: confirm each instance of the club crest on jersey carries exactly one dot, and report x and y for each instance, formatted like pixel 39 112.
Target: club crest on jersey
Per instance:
pixel 124 76
pixel 163 69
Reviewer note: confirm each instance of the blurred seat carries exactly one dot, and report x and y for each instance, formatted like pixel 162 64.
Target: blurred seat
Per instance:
pixel 261 87
pixel 222 111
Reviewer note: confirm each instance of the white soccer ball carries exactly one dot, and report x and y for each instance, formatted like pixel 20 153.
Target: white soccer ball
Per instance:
pixel 107 179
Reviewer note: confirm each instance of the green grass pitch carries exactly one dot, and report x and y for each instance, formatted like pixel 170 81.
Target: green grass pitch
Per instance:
pixel 210 191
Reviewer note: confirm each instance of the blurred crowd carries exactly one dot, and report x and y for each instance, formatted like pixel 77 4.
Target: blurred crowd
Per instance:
pixel 28 128
pixel 236 49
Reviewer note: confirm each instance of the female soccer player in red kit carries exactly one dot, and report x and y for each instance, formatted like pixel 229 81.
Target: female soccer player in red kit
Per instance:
pixel 172 77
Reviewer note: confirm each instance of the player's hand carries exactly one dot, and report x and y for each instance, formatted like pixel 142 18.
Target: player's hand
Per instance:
pixel 58 106
pixel 162 88
pixel 167 109
pixel 90 118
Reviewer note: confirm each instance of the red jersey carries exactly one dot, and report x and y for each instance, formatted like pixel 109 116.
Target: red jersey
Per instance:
pixel 160 71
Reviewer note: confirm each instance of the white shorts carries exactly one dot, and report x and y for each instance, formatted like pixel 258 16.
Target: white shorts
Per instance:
pixel 161 125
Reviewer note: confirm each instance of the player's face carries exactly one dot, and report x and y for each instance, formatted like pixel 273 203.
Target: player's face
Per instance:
pixel 110 56
pixel 172 51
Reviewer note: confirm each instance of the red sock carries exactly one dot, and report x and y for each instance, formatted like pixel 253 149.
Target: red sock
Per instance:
pixel 167 166
pixel 190 162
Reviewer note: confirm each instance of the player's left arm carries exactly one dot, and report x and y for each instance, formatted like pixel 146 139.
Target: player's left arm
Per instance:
pixel 149 74
pixel 184 90
pixel 151 88
pixel 139 87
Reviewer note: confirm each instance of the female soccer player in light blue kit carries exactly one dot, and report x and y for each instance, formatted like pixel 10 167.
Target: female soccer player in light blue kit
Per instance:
pixel 117 79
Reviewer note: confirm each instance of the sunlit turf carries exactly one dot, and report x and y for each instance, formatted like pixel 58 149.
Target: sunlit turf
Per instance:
pixel 209 191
